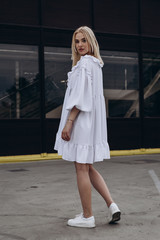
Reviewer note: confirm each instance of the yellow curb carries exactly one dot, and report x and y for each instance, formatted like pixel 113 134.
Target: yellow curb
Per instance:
pixel 55 156
pixel 135 152
pixel 26 158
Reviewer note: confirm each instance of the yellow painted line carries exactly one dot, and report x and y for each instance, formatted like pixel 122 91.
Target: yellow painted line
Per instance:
pixel 55 156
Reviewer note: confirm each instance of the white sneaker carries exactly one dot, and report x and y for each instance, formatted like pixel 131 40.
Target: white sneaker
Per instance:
pixel 115 213
pixel 80 221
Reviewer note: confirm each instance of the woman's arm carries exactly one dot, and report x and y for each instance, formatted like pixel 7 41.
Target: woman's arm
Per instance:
pixel 67 129
pixel 73 113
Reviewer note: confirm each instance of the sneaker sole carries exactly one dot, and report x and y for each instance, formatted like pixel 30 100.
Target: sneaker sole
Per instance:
pixel 82 226
pixel 115 217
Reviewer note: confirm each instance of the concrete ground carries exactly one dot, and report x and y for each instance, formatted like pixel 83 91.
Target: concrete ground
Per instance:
pixel 37 198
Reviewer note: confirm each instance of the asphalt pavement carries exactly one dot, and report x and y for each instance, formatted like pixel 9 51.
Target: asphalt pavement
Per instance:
pixel 37 199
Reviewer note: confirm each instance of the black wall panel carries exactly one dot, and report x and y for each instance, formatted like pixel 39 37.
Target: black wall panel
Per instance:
pixel 19 12
pixel 152 132
pixel 150 17
pixel 151 45
pixel 58 38
pixel 20 137
pixel 19 35
pixel 120 43
pixel 124 133
pixel 51 130
pixel 116 16
pixel 67 14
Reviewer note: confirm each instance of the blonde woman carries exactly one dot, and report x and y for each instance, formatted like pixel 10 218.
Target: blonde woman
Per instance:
pixel 82 133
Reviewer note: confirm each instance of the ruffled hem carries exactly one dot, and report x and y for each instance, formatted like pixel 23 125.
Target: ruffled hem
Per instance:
pixel 82 153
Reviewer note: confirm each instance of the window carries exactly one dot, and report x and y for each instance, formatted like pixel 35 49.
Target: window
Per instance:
pixel 151 76
pixel 121 83
pixel 19 82
pixel 57 65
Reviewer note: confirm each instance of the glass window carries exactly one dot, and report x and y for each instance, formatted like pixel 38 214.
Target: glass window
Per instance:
pixel 19 82
pixel 151 76
pixel 57 65
pixel 121 83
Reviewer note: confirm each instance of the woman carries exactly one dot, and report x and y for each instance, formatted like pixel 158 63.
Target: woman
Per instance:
pixel 82 133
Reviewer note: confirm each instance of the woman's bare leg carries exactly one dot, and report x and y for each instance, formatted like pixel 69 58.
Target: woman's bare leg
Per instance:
pixel 84 187
pixel 100 185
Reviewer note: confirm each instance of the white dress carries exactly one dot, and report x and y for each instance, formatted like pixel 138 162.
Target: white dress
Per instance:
pixel 88 142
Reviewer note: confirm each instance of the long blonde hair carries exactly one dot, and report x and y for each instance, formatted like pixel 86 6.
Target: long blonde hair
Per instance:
pixel 92 41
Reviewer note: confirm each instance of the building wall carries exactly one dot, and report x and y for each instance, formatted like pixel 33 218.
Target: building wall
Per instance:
pixel 35 40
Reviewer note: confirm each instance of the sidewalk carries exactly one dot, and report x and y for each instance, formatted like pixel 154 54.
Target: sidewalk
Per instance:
pixel 37 198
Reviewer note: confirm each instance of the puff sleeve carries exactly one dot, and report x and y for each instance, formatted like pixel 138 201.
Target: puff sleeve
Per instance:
pixel 80 94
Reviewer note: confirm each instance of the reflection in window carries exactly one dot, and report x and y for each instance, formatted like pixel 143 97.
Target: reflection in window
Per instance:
pixel 151 75
pixel 121 83
pixel 57 65
pixel 19 82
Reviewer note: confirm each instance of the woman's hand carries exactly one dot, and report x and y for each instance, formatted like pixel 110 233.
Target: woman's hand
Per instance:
pixel 66 133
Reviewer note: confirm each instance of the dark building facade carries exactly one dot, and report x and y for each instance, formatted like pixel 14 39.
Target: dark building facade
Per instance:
pixel 35 56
